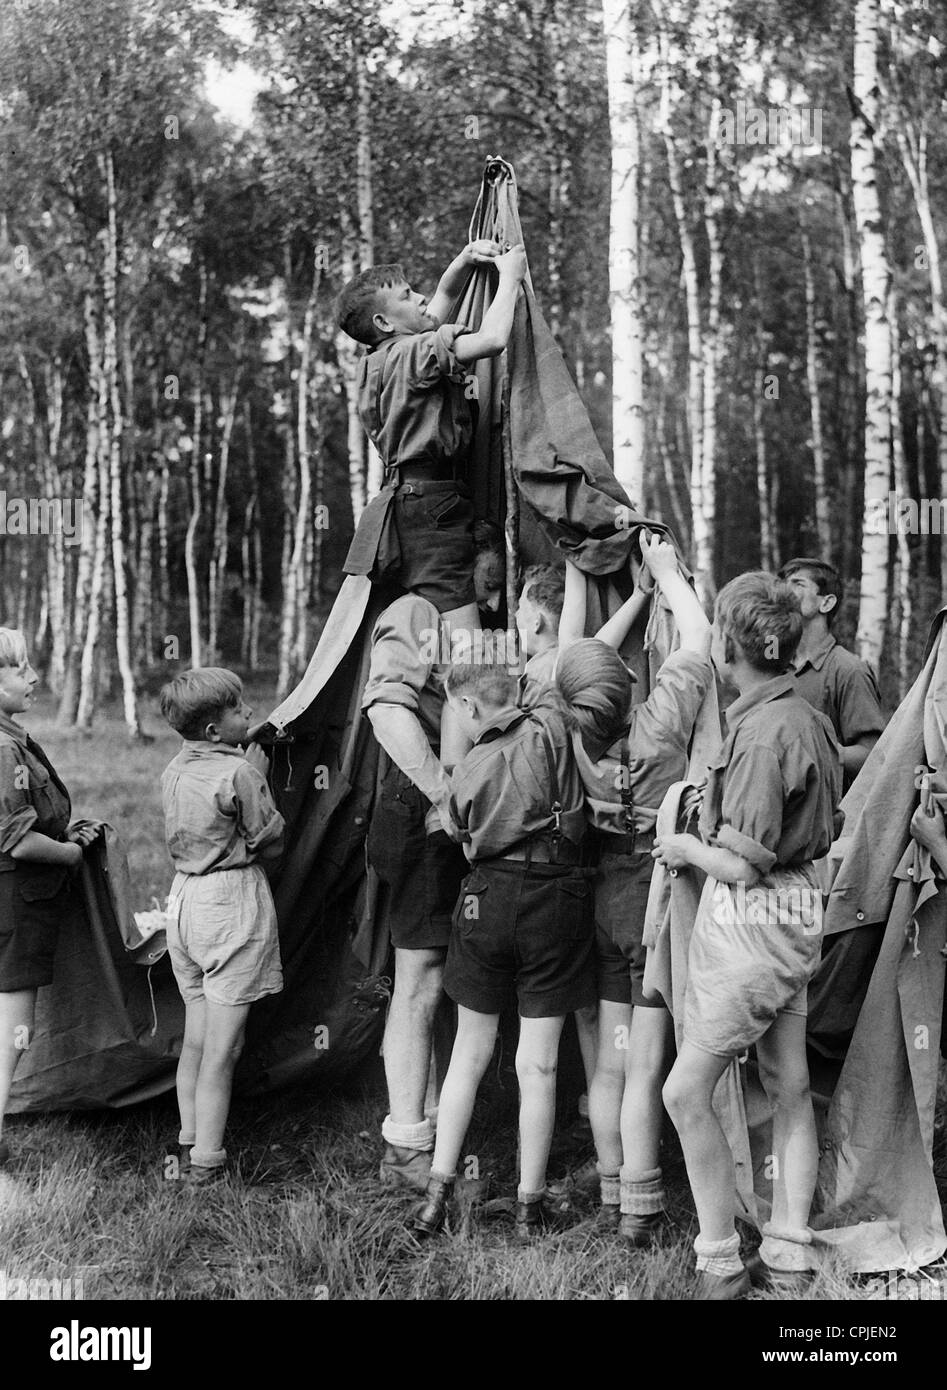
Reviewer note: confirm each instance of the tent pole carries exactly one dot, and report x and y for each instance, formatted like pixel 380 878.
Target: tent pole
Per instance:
pixel 511 528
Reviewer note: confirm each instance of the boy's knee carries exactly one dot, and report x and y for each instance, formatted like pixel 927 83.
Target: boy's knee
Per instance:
pixel 787 1092
pixel 534 1068
pixel 420 984
pixel 678 1097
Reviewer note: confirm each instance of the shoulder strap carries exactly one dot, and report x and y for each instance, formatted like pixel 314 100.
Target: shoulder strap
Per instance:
pixel 552 770
pixel 627 800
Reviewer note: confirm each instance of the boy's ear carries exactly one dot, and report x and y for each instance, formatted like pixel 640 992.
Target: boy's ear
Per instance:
pixel 380 323
pixel 729 651
pixel 211 733
pixel 827 603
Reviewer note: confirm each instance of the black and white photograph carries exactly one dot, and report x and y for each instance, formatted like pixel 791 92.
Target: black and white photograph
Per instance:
pixel 473 664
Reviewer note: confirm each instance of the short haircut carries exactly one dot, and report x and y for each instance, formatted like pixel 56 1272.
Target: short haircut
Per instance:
pixel 596 686
pixel 357 303
pixel 12 647
pixel 825 576
pixel 761 612
pixel 545 586
pixel 487 678
pixel 489 544
pixel 198 697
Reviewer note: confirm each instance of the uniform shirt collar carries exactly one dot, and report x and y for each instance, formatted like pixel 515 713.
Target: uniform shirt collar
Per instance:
pixel 500 723
pixel 759 695
pixel 816 659
pixel 15 730
pixel 203 748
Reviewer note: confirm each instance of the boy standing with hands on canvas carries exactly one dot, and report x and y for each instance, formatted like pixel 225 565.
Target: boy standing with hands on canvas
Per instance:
pixel 220 821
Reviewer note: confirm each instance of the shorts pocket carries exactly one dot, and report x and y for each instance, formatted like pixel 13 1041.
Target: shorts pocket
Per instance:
pixel 449 511
pixel 575 918
pixel 37 884
pixel 470 904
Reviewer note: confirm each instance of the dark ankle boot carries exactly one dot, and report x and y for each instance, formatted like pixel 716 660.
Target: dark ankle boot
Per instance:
pixel 428 1218
pixel 533 1218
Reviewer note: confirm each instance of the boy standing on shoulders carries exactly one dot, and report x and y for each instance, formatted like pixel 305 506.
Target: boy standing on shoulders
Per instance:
pixel 834 681
pixel 220 821
pixel 523 921
pixel 768 811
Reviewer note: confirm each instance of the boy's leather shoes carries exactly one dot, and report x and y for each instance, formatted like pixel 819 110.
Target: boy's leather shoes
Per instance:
pixel 608 1218
pixel 406 1167
pixel 533 1218
pixel 791 1283
pixel 430 1216
pixel 640 1231
pixel 720 1288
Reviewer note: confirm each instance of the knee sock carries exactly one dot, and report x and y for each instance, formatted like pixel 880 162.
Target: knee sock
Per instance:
pixel 213 1158
pixel 642 1193
pixel 786 1248
pixel 185 1140
pixel 419 1136
pixel 609 1187
pixel 720 1257
pixel 523 1196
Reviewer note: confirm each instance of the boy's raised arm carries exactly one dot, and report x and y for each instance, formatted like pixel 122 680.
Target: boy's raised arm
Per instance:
pixel 692 623
pixel 454 278
pixel 494 332
pixel 572 618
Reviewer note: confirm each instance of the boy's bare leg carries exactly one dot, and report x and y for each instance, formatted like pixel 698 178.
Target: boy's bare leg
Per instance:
pixel 688 1095
pixel 223 1042
pixel 608 1083
pixel 409 1032
pixel 463 622
pixel 537 1059
pixel 17 1011
pixel 473 1048
pixel 784 1072
pixel 648 1061
pixel 586 1028
pixel 189 1064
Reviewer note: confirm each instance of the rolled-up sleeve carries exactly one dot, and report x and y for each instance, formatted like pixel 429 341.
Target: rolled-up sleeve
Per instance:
pixel 430 356
pixel 751 820
pixel 670 711
pixel 17 813
pixel 258 820
pixel 405 646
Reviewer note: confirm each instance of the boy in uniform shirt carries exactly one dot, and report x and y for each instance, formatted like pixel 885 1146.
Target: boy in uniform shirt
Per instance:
pixel 832 679
pixel 523 920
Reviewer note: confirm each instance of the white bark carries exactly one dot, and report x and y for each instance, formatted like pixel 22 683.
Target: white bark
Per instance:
pixel 823 523
pixel 876 280
pixel 624 271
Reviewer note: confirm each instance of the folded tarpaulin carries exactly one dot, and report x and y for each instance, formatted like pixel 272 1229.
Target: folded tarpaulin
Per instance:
pixel 878 997
pixel 109 1027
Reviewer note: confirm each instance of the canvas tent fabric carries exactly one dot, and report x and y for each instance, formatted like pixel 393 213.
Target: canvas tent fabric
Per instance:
pixel 875 1005
pixel 98 1043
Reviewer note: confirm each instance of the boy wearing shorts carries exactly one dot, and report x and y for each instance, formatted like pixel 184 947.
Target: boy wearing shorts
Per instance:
pixel 220 821
pixel 523 921
pixel 769 811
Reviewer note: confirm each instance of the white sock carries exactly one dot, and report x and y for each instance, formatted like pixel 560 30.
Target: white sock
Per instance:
pixel 419 1136
pixel 720 1257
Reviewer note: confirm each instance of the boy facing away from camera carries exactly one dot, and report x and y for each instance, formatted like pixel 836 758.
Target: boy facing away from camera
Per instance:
pixel 220 822
pixel 523 923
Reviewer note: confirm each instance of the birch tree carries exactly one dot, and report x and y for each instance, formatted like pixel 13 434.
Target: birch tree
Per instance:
pixel 875 281
pixel 624 282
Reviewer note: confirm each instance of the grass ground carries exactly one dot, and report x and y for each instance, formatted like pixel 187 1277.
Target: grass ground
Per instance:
pixel 89 1196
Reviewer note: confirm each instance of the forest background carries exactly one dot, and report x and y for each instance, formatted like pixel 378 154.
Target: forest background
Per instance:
pixel 731 214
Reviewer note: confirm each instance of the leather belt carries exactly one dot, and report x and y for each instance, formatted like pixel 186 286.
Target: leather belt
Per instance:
pixel 433 472
pixel 565 854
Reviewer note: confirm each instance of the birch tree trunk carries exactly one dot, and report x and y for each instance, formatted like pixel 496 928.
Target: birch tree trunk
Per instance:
pixel 196 481
pixel 144 587
pixel 876 281
pixel 69 701
pixel 98 580
pixel 296 589
pixel 823 524
pixel 701 533
pixel 251 554
pixel 624 272
pixel 713 207
pixel 347 355
pixel 110 364
pixel 217 570
pixel 902 488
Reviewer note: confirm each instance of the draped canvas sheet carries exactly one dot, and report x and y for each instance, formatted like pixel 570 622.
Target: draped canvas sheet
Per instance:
pixel 875 1006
